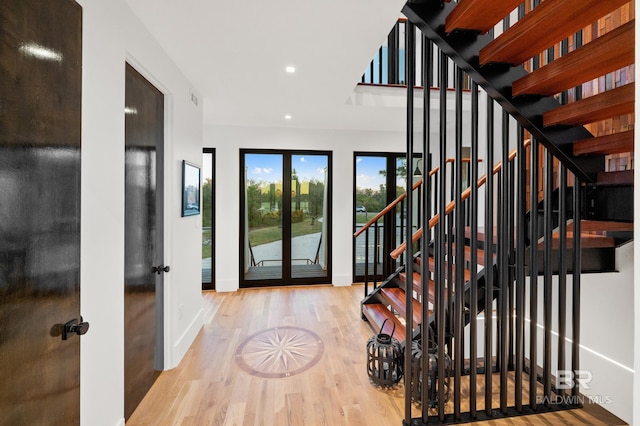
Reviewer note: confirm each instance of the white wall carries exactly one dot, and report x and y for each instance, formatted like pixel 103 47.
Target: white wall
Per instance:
pixel 111 36
pixel 606 334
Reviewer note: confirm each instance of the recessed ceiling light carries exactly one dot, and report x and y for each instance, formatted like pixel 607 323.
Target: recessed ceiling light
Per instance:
pixel 290 69
pixel 287 117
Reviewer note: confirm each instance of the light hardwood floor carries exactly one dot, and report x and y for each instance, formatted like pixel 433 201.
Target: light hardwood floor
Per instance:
pixel 213 385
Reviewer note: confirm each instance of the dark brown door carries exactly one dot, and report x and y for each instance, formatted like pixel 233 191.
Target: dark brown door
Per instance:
pixel 144 136
pixel 40 99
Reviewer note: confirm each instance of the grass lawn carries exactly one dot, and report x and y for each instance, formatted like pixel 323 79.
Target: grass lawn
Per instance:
pixel 365 217
pixel 269 234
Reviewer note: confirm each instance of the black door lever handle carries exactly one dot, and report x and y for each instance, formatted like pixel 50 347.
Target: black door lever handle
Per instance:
pixel 160 269
pixel 72 328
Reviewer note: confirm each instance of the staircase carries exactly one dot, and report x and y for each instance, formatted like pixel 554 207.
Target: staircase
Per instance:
pixel 538 70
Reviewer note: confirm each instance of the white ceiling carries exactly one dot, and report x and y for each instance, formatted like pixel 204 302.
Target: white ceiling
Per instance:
pixel 235 54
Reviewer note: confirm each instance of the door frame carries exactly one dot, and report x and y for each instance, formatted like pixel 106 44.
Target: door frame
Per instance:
pixel 286 278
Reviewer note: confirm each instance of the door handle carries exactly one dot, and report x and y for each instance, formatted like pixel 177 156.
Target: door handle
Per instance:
pixel 71 327
pixel 160 269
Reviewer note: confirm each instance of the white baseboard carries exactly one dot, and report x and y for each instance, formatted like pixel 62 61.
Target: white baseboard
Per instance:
pixel 183 344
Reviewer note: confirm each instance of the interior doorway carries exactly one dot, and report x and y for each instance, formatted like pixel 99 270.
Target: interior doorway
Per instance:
pixel 285 217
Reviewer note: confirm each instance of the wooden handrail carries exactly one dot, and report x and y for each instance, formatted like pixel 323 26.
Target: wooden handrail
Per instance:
pixel 449 208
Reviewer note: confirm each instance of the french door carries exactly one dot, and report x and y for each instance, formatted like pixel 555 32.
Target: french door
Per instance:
pixel 285 217
pixel 379 178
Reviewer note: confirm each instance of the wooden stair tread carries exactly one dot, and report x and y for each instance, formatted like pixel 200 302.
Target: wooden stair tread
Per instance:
pixel 417 284
pixel 479 15
pixel 586 241
pixel 376 313
pixel 612 103
pixel 606 54
pixel 544 26
pixel 602 226
pixel 615 143
pixel 396 298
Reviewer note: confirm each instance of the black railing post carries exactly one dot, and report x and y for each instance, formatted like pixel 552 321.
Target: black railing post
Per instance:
pixel 562 271
pixel 376 253
pixel 459 255
pixel 427 71
pixel 548 274
pixel 440 236
pixel 521 233
pixel 488 265
pixel 366 262
pixel 577 270
pixel 504 263
pixel 533 276
pixel 410 67
pixel 473 202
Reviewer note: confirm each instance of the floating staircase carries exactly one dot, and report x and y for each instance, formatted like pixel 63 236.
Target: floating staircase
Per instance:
pixel 535 70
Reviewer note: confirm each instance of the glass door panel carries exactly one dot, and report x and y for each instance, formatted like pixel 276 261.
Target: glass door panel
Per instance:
pixel 309 227
pixel 263 191
pixel 370 199
pixel 208 240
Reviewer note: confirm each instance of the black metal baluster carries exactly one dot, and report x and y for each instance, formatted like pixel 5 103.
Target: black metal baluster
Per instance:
pixel 577 270
pixel 548 275
pixel 488 265
pixel 473 203
pixel 410 68
pixel 440 232
pixel 521 233
pixel 459 255
pixel 376 253
pixel 380 66
pixel 533 276
pixel 392 54
pixel 562 271
pixel 366 262
pixel 511 256
pixel 504 243
pixel 427 71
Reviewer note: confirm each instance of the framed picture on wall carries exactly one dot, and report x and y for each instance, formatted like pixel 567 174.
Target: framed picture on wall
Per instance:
pixel 190 189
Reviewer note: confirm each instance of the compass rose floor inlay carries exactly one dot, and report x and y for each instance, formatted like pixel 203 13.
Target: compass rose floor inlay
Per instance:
pixel 280 352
